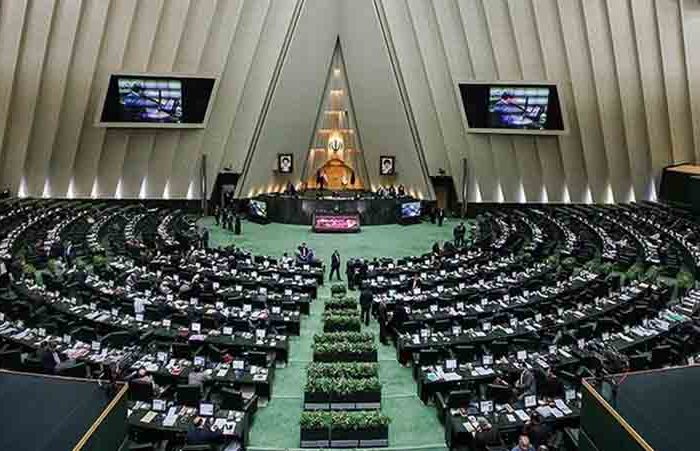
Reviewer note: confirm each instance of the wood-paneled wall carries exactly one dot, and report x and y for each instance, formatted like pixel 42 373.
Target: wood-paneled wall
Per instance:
pixel 630 87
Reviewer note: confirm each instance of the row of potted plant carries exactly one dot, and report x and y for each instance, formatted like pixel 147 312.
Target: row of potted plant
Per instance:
pixel 341 323
pixel 361 426
pixel 345 351
pixel 341 303
pixel 342 369
pixel 341 386
pixel 335 337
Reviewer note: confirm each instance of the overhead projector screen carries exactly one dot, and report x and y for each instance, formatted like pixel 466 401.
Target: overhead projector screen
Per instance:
pixel 516 108
pixel 157 101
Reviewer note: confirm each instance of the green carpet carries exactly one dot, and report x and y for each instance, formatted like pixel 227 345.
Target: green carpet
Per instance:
pixel 276 426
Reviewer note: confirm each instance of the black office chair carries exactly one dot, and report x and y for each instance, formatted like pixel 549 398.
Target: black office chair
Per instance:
pixel 500 394
pixel 140 391
pixel 257 358
pixel 182 351
pixel 231 399
pixel 78 369
pixel 428 357
pixel 459 398
pixel 499 348
pixel 465 353
pixel 660 356
pixel 188 395
pixel 116 339
pixel 11 360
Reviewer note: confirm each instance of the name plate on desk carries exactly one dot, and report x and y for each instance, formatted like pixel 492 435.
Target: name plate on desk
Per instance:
pixel 342 405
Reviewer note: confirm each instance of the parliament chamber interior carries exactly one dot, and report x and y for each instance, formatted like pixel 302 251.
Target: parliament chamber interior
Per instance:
pixel 271 225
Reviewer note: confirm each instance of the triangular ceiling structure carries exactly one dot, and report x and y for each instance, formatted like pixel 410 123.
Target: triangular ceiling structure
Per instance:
pixel 377 109
pixel 336 149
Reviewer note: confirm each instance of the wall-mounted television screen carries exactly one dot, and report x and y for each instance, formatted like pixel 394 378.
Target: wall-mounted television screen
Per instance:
pixel 512 108
pixel 410 210
pixel 149 100
pixel 258 208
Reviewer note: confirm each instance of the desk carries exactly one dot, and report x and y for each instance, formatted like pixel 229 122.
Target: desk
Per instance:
pixel 456 434
pixel 184 421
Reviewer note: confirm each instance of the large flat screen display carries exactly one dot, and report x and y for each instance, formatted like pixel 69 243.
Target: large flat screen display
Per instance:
pixel 512 108
pixel 258 208
pixel 410 210
pixel 134 100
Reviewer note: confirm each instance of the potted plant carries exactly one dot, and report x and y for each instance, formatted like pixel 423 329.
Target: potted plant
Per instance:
pixel 336 337
pixel 315 429
pixel 338 290
pixel 339 323
pixel 684 281
pixel 344 430
pixel 375 428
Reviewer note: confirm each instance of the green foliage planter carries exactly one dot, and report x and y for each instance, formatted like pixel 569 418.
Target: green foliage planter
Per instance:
pixel 341 303
pixel 356 370
pixel 344 429
pixel 345 352
pixel 338 290
pixel 341 323
pixel 342 393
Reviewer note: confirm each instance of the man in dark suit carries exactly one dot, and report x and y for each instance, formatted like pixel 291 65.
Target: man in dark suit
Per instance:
pixel 366 304
pixel 335 265
pixel 485 435
pixel 200 435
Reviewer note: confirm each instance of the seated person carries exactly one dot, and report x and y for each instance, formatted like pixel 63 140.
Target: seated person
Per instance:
pixel 485 435
pixel 197 376
pixel 537 431
pixel 526 384
pixel 523 444
pixel 199 434
pixel 304 254
pixel 49 357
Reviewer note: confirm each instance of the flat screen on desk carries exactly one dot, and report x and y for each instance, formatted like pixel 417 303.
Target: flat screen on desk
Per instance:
pixel 512 108
pixel 149 100
pixel 258 208
pixel 410 210
pixel 206 409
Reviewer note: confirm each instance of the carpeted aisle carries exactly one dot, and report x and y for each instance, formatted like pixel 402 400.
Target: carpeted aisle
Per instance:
pixel 276 427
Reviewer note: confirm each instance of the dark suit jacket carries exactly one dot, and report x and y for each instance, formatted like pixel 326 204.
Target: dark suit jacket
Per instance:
pixel 335 261
pixel 366 298
pixel 482 439
pixel 202 436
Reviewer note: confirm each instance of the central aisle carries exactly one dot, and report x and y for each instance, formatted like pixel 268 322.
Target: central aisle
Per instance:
pixel 276 427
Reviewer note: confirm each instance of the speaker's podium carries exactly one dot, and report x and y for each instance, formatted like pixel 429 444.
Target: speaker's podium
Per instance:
pixel 47 413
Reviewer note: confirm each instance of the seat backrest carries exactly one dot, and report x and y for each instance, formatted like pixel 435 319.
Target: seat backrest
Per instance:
pixel 140 391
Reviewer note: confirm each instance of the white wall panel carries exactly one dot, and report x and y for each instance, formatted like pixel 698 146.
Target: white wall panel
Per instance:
pixel 404 35
pixel 51 91
pixel 25 91
pixel 79 82
pixel 630 89
pixel 114 40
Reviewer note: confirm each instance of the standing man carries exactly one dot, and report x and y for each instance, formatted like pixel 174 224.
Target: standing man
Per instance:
pixel 459 232
pixel 440 216
pixel 335 265
pixel 365 304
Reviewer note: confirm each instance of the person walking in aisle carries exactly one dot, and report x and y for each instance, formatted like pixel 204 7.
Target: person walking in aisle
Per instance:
pixel 335 265
pixel 365 305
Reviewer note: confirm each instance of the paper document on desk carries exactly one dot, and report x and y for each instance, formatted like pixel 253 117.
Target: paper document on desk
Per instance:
pixel 561 405
pixel 169 421
pixel 522 415
pixel 148 417
pixel 556 412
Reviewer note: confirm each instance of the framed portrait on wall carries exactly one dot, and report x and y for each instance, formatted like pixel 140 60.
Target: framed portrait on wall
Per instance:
pixel 285 163
pixel 387 165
